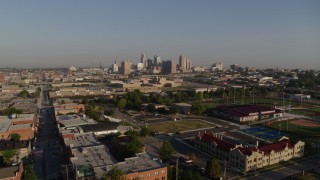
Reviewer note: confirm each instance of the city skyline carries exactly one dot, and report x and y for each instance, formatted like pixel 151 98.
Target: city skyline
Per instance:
pixel 284 34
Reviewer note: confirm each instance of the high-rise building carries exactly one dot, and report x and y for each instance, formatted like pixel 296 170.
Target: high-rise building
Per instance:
pixel 125 67
pixel 169 67
pixel 140 66
pixel 149 63
pixel 143 60
pixel 234 67
pixel 188 64
pixel 115 68
pixel 217 66
pixel 156 60
pixel 182 62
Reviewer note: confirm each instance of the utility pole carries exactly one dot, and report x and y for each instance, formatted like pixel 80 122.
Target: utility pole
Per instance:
pixel 177 168
pixel 67 172
pixel 225 170
pixel 234 96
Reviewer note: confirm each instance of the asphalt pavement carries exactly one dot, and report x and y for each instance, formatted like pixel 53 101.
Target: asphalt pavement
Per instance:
pixel 47 151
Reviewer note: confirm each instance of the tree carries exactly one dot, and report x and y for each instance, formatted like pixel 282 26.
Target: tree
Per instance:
pixel 115 174
pixel 108 112
pixel 213 169
pixel 192 156
pixel 10 111
pixel 166 150
pixel 151 108
pixel 24 94
pixel 29 173
pixel 144 131
pixel 133 147
pixel 84 101
pixel 15 137
pixel 198 108
pixel 200 96
pixel 8 155
pixel 189 174
pixel 121 103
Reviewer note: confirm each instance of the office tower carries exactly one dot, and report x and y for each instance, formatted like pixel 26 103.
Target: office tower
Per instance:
pixel 182 62
pixel 149 63
pixel 218 66
pixel 140 66
pixel 188 64
pixel 156 60
pixel 233 67
pixel 115 68
pixel 143 60
pixel 125 67
pixel 169 67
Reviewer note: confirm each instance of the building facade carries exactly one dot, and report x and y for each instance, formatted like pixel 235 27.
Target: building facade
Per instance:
pixel 125 67
pixel 169 67
pixel 247 158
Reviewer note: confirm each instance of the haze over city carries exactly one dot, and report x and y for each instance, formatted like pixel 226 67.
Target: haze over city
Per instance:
pixel 262 34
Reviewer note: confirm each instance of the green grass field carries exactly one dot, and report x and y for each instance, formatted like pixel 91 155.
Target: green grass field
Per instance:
pixel 287 126
pixel 302 112
pixel 176 126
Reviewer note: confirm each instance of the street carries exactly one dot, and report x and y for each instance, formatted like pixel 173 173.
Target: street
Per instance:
pixel 47 149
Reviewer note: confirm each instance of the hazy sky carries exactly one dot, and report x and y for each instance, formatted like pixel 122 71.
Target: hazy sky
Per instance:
pixel 270 33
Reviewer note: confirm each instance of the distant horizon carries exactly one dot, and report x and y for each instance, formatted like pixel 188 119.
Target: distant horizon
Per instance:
pixel 259 34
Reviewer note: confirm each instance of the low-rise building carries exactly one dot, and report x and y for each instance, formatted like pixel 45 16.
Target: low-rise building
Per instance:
pixel 68 108
pixel 100 128
pixel 247 158
pixel 246 113
pixel 73 121
pixel 22 124
pixel 12 173
pixel 182 107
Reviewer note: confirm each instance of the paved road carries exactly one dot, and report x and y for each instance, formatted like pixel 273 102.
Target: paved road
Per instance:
pixel 48 151
pixel 283 172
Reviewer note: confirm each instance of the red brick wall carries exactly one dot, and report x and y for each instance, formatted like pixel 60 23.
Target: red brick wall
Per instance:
pixel 152 173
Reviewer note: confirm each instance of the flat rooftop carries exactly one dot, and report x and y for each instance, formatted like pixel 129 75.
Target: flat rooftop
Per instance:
pixel 73 120
pixel 142 162
pixel 4 125
pixel 82 140
pixel 20 126
pixel 8 172
pixel 97 156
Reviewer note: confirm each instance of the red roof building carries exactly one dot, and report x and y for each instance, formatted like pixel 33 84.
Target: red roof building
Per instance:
pixel 245 113
pixel 248 158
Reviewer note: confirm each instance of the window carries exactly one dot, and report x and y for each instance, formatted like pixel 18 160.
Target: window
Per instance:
pixel 163 171
pixel 156 173
pixel 148 175
pixel 163 178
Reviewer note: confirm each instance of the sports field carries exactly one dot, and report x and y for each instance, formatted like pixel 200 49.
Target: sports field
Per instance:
pixel 298 125
pixel 264 133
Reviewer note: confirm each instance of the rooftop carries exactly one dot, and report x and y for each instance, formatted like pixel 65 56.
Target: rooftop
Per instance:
pixel 99 127
pixel 73 120
pixel 81 140
pixel 20 126
pixel 4 125
pixel 142 162
pixel 97 156
pixel 8 172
